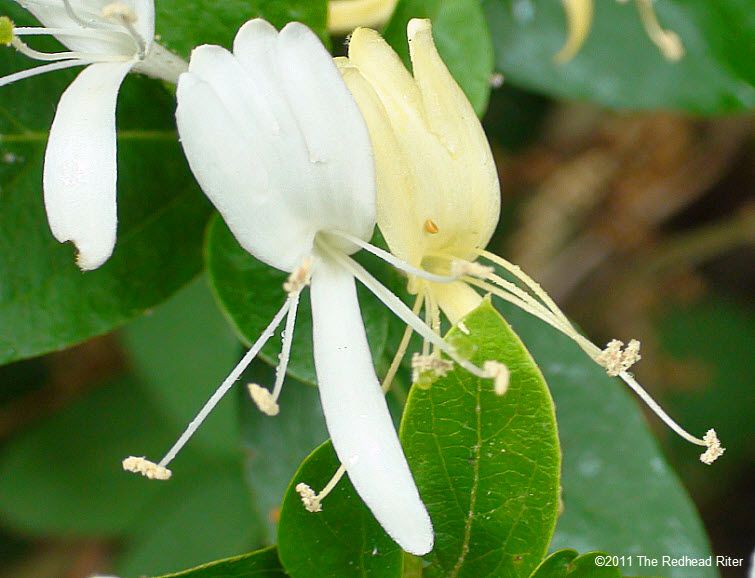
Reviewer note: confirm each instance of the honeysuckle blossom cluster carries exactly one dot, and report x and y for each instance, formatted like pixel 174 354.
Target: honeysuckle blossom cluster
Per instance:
pixel 110 39
pixel 439 198
pixel 303 156
pixel 579 16
pixel 280 147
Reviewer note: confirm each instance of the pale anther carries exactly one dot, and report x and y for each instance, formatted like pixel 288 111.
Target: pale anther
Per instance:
pixel 299 278
pixel 146 468
pixel 459 268
pixel 500 375
pixel 263 399
pixel 6 31
pixel 714 450
pixel 615 360
pixel 118 10
pixel 309 498
pixel 422 364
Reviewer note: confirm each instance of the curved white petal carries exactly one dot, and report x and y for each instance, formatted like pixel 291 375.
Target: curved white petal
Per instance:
pixel 228 167
pixel 145 20
pixel 80 170
pixel 334 131
pixel 357 415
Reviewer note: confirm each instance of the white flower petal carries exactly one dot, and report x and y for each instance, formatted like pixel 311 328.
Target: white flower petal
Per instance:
pixel 80 170
pixel 228 168
pixel 357 415
pixel 145 20
pixel 334 131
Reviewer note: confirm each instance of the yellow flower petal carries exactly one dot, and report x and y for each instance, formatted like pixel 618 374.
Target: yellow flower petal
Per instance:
pixel 345 15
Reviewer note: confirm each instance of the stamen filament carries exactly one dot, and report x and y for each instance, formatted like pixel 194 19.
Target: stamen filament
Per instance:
pixel 288 340
pixel 88 33
pixel 27 50
pixel 402 311
pixel 667 41
pixel 312 501
pixel 402 348
pixel 391 259
pixel 11 78
pixel 227 384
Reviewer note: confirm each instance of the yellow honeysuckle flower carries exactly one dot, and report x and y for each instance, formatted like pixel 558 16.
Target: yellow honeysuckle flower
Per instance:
pixel 579 15
pixel 438 203
pixel 345 15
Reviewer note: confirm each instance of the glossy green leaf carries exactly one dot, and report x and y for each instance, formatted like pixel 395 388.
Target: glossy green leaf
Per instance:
pixel 46 302
pixel 251 293
pixel 274 447
pixel 618 65
pixel 462 37
pixel 260 564
pixel 619 493
pixel 184 24
pixel 569 564
pixel 182 351
pixel 343 540
pixel 487 466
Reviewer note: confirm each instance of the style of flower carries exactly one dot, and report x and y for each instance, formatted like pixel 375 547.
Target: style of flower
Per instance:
pixel 279 146
pixel 439 198
pixel 111 39
pixel 345 15
pixel 579 15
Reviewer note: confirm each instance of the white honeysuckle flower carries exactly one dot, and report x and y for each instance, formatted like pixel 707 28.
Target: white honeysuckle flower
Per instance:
pixel 439 199
pixel 279 146
pixel 110 39
pixel 345 15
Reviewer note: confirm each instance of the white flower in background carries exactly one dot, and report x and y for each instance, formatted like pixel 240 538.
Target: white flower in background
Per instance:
pixel 345 15
pixel 278 144
pixel 111 39
pixel 439 198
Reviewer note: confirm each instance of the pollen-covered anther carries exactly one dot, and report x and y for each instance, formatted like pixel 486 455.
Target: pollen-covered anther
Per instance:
pixel 431 227
pixel 6 31
pixel 119 11
pixel 500 374
pixel 146 468
pixel 309 498
pixel 299 277
pixel 714 450
pixel 263 399
pixel 460 268
pixel 422 364
pixel 615 360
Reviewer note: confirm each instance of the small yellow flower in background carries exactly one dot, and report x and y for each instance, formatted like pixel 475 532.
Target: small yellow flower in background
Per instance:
pixel 579 15
pixel 345 15
pixel 438 203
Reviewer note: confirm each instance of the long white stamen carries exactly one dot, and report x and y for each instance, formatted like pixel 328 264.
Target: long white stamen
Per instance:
pixel 391 259
pixel 613 359
pixel 402 348
pixel 88 33
pixel 667 41
pixel 402 311
pixel 312 501
pixel 27 50
pixel 226 385
pixel 288 340
pixel 11 78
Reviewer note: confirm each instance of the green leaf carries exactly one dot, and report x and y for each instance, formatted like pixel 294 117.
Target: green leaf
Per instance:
pixel 619 493
pixel 260 564
pixel 251 292
pixel 46 302
pixel 462 37
pixel 487 466
pixel 569 564
pixel 276 446
pixel 619 67
pixel 343 540
pixel 185 24
pixel 182 351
